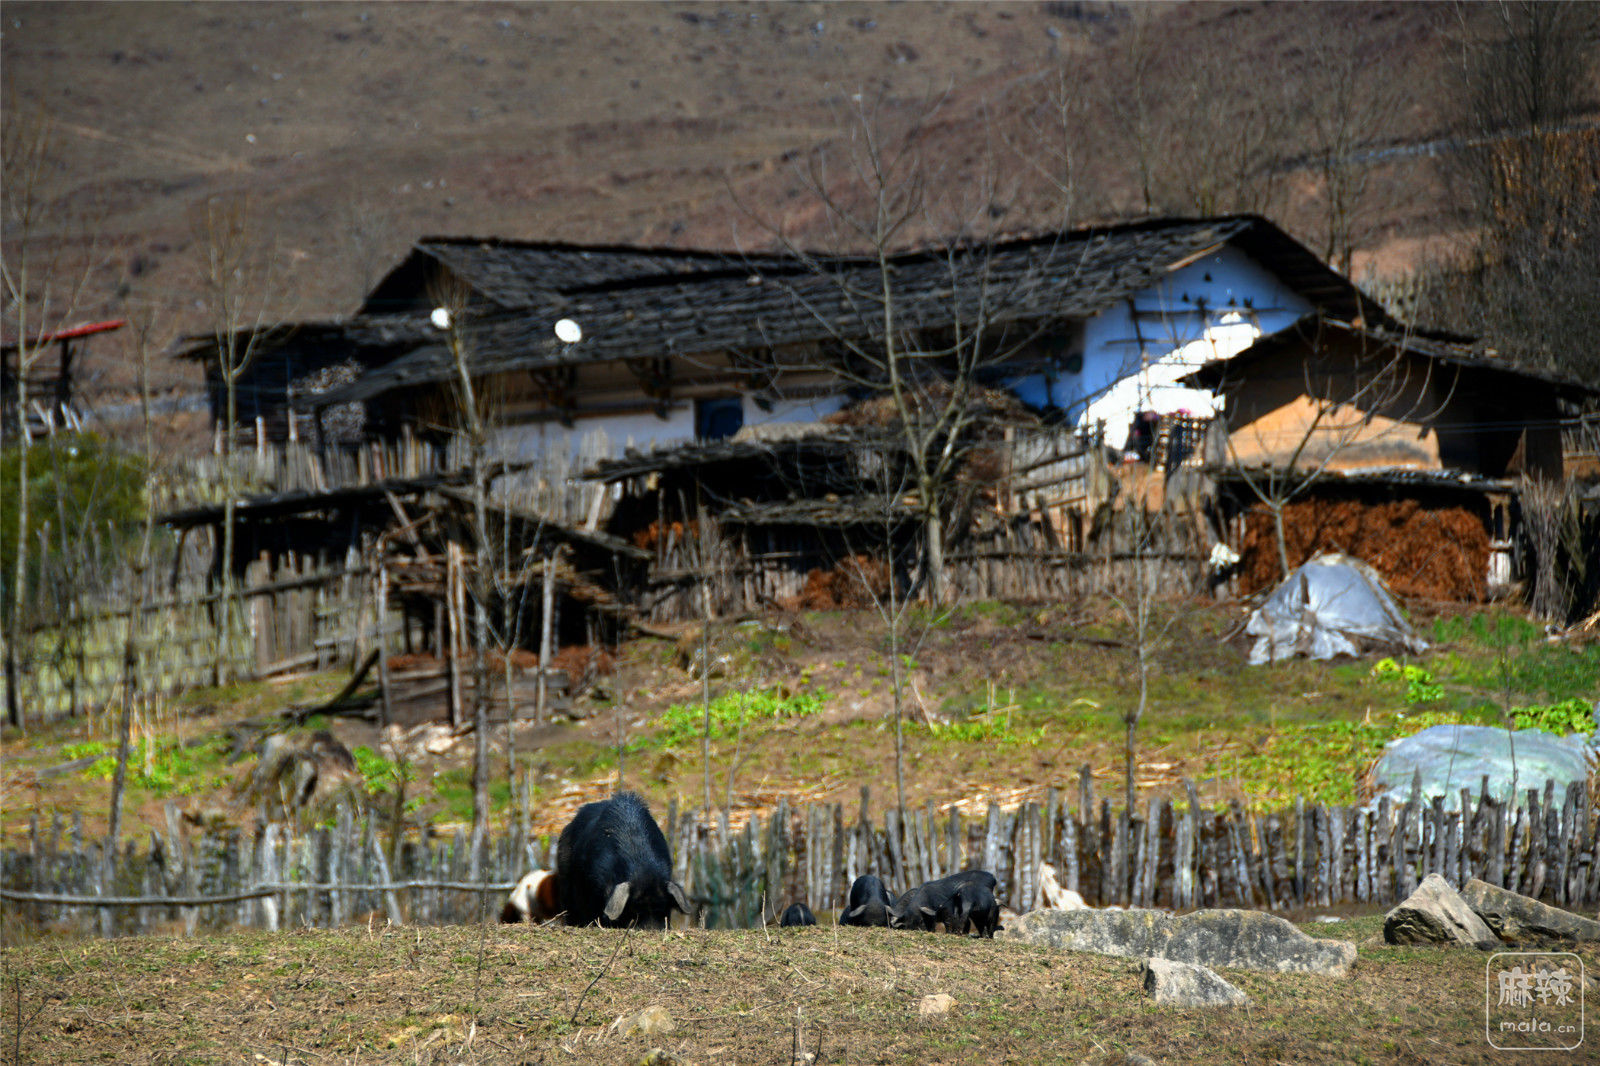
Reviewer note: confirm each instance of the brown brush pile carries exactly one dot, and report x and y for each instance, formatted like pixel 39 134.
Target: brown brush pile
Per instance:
pixel 582 663
pixel 986 406
pixel 859 581
pixel 1428 552
pixel 655 533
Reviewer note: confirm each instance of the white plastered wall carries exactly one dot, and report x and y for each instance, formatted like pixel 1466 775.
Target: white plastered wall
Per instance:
pixel 1130 356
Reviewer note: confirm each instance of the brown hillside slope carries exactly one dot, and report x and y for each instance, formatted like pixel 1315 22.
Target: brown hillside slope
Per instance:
pixel 356 128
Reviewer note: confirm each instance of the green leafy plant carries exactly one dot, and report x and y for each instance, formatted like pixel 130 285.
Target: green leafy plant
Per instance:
pixel 165 767
pixel 380 774
pixel 1420 685
pixel 683 722
pixel 83 476
pixel 1564 718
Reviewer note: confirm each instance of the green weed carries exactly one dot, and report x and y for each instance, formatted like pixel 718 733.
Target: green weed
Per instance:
pixel 1324 761
pixel 164 767
pixel 731 711
pixel 379 774
pixel 1568 716
pixel 993 724
pixel 1420 685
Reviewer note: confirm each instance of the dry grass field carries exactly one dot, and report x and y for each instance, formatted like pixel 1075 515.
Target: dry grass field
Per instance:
pixel 512 995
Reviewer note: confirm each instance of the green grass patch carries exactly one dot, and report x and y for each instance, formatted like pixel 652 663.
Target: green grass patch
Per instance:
pixel 452 791
pixel 733 711
pixel 163 767
pixel 1324 761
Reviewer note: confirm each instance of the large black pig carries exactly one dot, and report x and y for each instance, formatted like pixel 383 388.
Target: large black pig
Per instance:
pixel 613 867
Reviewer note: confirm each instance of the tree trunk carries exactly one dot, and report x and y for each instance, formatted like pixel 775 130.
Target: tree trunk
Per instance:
pixel 1278 535
pixel 482 567
pixel 19 586
pixel 933 529
pixel 705 687
pixel 219 667
pixel 897 676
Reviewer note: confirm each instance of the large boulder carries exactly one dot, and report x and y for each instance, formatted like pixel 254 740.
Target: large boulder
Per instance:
pixel 1178 984
pixel 1436 914
pixel 1517 917
pixel 1230 939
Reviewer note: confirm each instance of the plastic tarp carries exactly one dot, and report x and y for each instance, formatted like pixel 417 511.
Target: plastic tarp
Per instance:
pixel 1332 605
pixel 1454 757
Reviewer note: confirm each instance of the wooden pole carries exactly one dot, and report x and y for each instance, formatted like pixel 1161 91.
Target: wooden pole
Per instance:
pixel 386 706
pixel 452 630
pixel 547 600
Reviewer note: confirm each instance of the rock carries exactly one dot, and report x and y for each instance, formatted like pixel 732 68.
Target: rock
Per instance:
pixel 1436 914
pixel 1516 917
pixel 1178 984
pixel 935 1006
pixel 1228 939
pixel 1119 1058
pixel 1052 895
pixel 649 1022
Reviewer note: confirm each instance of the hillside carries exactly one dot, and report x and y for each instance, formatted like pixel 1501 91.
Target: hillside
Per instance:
pixel 355 128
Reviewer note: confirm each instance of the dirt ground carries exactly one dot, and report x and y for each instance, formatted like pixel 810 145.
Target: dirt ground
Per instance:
pixel 515 996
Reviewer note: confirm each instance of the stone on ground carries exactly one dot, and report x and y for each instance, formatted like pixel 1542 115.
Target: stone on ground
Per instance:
pixel 1517 917
pixel 1436 914
pixel 935 1006
pixel 1221 939
pixel 648 1022
pixel 1178 984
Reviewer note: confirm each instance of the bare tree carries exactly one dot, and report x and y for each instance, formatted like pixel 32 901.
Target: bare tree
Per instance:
pixel 1350 107
pixel 1052 142
pixel 1152 606
pixel 1217 163
pixel 471 410
pixel 918 335
pixel 1527 179
pixel 47 263
pixel 1132 94
pixel 133 688
pixel 236 278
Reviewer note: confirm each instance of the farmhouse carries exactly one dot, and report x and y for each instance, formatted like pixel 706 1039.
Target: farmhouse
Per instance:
pixel 1407 449
pixel 678 432
pixel 1087 327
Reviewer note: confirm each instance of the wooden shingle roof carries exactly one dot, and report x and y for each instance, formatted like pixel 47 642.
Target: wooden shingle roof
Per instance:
pixel 515 274
pixel 770 302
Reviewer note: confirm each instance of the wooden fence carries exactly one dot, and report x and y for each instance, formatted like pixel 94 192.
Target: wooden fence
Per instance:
pixel 303 610
pixel 1177 856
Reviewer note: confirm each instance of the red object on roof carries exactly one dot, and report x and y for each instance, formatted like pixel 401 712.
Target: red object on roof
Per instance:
pixel 74 331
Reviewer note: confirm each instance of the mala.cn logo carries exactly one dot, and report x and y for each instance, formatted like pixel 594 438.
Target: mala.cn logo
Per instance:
pixel 1533 1001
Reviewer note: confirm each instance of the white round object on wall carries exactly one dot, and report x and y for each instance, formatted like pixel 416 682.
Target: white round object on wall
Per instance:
pixel 568 331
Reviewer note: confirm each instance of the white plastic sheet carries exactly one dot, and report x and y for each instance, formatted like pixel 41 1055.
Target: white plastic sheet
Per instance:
pixel 1332 605
pixel 1454 757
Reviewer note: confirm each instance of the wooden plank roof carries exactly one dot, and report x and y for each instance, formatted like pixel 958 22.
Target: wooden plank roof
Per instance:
pixel 512 274
pixel 1058 276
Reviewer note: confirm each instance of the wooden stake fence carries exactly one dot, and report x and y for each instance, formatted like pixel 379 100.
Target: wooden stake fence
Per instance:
pixel 1164 855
